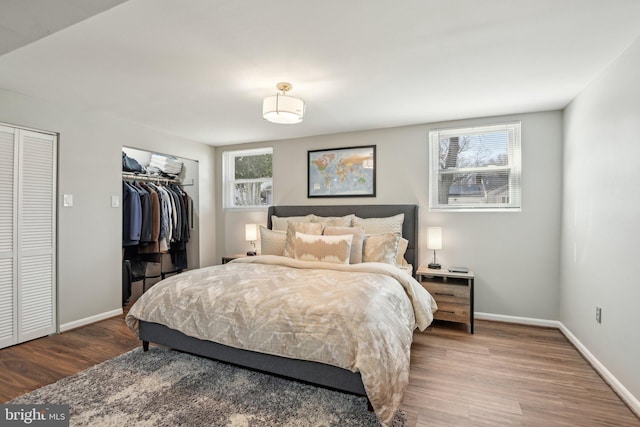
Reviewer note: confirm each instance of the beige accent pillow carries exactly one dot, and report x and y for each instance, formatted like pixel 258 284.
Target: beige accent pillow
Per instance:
pixel 356 244
pixel 334 221
pixel 272 242
pixel 280 223
pixel 403 244
pixel 336 249
pixel 381 248
pixel 314 228
pixel 392 224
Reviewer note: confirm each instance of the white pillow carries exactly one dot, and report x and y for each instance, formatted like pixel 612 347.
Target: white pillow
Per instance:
pixel 272 242
pixel 381 248
pixel 334 221
pixel 336 249
pixel 392 224
pixel 280 223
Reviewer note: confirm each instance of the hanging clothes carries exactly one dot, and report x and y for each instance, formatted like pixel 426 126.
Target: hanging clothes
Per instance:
pixel 157 219
pixel 153 246
pixel 131 215
pixel 155 216
pixel 181 231
pixel 165 218
pixel 145 201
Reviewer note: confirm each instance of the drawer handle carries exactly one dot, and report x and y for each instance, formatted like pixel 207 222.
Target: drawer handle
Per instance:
pixel 444 294
pixel 447 311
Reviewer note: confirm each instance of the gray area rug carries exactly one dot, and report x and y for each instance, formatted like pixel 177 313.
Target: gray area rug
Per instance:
pixel 163 387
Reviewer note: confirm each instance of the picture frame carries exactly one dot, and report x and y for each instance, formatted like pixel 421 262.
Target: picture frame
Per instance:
pixel 342 172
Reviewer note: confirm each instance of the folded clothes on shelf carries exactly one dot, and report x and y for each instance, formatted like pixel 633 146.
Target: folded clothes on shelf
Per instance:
pixel 166 164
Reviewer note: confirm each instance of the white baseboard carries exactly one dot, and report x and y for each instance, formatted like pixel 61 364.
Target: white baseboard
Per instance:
pixel 519 320
pixel 617 386
pixel 609 378
pixel 91 319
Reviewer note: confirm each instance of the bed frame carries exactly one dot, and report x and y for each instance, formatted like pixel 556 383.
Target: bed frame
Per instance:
pixel 302 370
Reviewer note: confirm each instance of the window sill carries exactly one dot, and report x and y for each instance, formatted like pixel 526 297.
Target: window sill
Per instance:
pixel 475 209
pixel 247 209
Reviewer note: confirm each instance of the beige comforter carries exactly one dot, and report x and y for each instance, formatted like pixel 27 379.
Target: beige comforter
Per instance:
pixel 359 317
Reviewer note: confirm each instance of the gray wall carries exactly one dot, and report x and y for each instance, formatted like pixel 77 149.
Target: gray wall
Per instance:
pixel 601 213
pixel 89 167
pixel 514 255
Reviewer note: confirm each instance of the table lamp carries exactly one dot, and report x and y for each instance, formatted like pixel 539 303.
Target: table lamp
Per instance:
pixel 251 235
pixel 434 241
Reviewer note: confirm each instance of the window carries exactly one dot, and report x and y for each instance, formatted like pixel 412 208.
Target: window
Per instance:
pixel 475 168
pixel 247 178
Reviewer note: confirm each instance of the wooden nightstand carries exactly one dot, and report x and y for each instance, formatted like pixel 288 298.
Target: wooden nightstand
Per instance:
pixel 226 259
pixel 453 293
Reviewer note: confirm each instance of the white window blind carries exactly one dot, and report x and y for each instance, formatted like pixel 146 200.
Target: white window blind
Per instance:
pixel 248 178
pixel 475 168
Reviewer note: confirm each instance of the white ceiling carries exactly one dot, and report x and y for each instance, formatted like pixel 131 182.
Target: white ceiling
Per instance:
pixel 25 21
pixel 199 69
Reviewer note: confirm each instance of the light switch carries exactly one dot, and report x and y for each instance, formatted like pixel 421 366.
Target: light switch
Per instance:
pixel 115 201
pixel 67 200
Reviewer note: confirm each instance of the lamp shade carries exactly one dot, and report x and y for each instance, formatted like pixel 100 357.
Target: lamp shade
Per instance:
pixel 434 238
pixel 283 109
pixel 250 232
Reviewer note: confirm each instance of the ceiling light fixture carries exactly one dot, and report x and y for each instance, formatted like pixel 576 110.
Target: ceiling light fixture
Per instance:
pixel 283 109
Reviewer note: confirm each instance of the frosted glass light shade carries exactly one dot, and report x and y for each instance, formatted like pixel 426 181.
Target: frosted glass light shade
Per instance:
pixel 250 232
pixel 283 109
pixel 434 238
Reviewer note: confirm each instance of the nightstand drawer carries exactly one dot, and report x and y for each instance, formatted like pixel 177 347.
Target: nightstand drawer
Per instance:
pixel 452 312
pixel 448 293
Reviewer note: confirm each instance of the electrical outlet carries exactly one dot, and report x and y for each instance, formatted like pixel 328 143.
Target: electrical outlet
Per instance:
pixel 598 314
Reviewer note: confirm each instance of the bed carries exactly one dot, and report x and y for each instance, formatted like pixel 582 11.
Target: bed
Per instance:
pixel 326 359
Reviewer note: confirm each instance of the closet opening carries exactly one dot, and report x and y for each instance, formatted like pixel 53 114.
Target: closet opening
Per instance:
pixel 160 220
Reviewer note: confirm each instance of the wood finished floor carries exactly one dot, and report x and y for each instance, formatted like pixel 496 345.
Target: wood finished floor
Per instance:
pixel 504 375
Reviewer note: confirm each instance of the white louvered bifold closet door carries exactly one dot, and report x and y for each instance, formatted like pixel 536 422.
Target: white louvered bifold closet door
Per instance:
pixel 36 235
pixel 27 235
pixel 8 225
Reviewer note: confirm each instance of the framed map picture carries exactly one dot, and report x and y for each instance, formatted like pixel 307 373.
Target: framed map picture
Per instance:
pixel 342 172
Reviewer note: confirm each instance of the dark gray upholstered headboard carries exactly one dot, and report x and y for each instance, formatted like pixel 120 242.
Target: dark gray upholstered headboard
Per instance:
pixel 409 227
